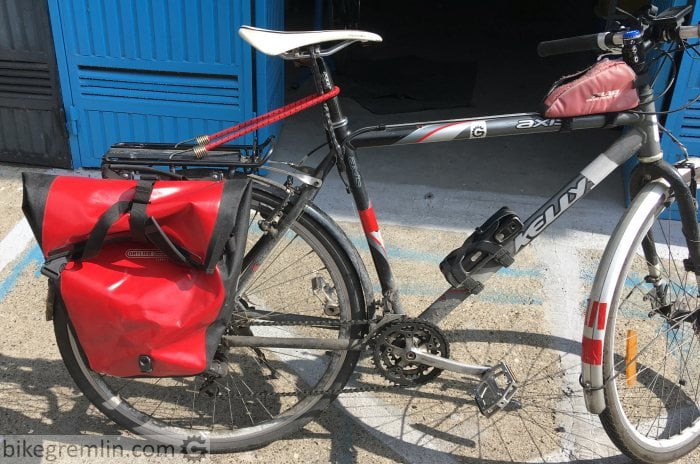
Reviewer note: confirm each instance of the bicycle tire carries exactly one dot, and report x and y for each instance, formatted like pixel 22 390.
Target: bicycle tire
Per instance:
pixel 650 385
pixel 97 389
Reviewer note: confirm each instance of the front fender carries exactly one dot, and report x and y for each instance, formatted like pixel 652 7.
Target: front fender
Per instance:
pixel 605 293
pixel 602 304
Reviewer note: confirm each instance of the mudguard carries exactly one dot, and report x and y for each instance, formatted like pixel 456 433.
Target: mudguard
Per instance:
pixel 606 289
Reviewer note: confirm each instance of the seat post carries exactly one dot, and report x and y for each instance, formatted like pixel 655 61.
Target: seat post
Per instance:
pixel 324 83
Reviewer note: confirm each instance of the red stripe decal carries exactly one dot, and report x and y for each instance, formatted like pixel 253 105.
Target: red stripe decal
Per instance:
pixel 437 130
pixel 596 312
pixel 602 309
pixel 592 312
pixel 592 351
pixel 369 220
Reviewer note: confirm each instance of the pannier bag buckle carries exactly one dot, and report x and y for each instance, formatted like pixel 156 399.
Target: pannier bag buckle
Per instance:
pixel 485 246
pixel 53 266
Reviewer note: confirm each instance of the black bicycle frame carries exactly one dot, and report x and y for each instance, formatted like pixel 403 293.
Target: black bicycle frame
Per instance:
pixel 642 137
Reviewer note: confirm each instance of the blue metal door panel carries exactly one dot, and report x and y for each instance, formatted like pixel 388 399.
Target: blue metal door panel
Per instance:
pixel 685 124
pixel 150 70
pixel 269 69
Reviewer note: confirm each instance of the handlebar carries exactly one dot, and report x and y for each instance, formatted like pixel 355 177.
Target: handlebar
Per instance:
pixel 603 41
pixel 582 43
pixel 689 32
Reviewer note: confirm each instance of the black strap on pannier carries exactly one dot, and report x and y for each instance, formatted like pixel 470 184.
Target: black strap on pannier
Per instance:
pixel 144 228
pixel 233 207
pixel 94 243
pixel 138 218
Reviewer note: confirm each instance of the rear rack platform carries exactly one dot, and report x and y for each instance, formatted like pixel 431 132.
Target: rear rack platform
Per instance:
pixel 130 160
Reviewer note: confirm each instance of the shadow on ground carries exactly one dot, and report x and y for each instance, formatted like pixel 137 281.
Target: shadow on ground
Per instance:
pixel 47 403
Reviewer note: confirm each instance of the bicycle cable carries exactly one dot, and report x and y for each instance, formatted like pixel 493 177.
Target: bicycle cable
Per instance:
pixel 675 110
pixel 675 140
pixel 667 55
pixel 308 155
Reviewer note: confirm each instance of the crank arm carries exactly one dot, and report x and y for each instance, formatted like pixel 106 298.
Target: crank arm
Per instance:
pixel 438 362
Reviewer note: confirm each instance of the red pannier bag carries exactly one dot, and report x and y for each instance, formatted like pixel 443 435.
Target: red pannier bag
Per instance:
pixel 151 302
pixel 606 87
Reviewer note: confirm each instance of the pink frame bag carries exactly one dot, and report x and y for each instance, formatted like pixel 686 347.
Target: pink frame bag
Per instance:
pixel 606 87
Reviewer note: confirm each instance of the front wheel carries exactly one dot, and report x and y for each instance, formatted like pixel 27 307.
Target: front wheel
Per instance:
pixel 651 350
pixel 264 395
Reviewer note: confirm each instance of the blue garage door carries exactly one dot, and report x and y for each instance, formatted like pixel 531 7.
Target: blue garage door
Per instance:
pixel 269 72
pixel 685 124
pixel 153 70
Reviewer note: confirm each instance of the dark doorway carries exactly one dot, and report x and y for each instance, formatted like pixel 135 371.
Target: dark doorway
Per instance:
pixel 32 123
pixel 479 56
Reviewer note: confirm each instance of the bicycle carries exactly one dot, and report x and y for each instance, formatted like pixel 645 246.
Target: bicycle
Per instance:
pixel 293 343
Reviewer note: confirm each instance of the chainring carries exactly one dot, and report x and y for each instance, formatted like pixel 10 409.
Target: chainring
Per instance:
pixel 389 351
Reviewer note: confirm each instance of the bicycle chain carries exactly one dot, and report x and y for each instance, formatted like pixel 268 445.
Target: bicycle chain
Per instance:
pixel 304 393
pixel 262 322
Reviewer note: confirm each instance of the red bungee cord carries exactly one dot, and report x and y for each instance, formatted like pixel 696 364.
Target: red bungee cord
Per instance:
pixel 217 139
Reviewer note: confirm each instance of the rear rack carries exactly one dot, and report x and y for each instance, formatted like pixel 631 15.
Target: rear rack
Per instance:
pixel 130 160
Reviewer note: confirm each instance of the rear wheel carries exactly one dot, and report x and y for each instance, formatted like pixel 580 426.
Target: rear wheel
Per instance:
pixel 651 348
pixel 264 395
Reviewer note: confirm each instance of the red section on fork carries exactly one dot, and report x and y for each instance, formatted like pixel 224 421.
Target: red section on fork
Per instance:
pixel 592 351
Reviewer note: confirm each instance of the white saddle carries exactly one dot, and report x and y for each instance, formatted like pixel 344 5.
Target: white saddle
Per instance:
pixel 280 42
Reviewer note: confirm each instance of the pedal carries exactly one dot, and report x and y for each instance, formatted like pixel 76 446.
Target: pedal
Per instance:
pixel 496 389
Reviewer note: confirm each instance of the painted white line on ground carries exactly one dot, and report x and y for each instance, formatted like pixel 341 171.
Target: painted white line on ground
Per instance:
pixel 582 437
pixel 15 242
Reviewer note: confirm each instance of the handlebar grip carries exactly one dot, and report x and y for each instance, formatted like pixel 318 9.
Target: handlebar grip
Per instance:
pixel 689 32
pixel 573 44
